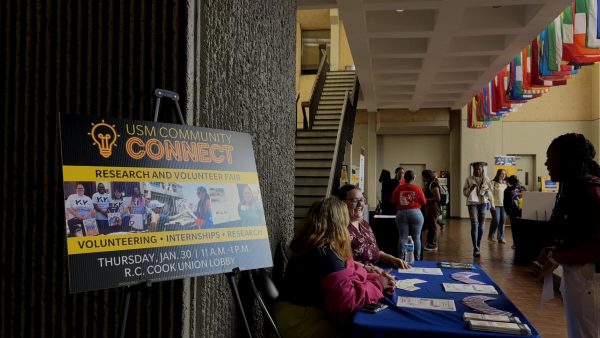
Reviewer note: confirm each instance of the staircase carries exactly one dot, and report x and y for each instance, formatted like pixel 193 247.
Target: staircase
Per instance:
pixel 317 159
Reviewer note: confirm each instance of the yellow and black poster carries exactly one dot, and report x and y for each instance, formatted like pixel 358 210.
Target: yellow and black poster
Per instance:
pixel 155 201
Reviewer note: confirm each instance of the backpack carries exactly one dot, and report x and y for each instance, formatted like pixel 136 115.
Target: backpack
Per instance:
pixel 443 193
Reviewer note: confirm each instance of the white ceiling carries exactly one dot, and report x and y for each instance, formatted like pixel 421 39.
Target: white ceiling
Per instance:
pixel 435 53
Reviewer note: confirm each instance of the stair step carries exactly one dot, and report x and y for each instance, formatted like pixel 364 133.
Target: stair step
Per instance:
pixel 312 172
pixel 306 201
pixel 313 133
pixel 318 127
pixel 301 212
pixel 348 82
pixel 332 123
pixel 326 116
pixel 327 100
pixel 337 108
pixel 310 191
pixel 312 163
pixel 341 73
pixel 315 147
pixel 320 155
pixel 337 85
pixel 301 181
pixel 315 141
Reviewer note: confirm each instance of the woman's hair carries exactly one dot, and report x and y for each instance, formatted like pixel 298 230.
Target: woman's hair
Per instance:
pixel 576 156
pixel 325 226
pixel 498 172
pixel 512 180
pixel 409 176
pixel 343 190
pixel 427 174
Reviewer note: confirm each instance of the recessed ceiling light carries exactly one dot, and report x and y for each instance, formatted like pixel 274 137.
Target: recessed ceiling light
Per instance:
pixel 399 10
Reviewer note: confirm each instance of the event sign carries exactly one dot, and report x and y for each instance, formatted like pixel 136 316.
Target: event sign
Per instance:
pixel 147 201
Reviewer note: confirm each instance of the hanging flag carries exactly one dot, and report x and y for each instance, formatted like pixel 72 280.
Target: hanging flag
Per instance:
pixel 592 24
pixel 570 53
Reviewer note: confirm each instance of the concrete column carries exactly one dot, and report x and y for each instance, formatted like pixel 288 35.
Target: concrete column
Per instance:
pixel 334 48
pixel 371 160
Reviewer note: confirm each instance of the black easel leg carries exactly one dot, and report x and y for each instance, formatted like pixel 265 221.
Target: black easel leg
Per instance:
pixel 238 300
pixel 125 311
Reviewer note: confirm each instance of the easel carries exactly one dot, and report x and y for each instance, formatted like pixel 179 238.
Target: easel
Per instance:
pixel 231 276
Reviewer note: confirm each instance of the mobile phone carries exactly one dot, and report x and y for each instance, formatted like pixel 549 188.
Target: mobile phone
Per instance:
pixel 374 308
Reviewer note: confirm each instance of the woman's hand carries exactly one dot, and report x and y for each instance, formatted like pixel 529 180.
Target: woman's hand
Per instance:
pixel 388 283
pixel 543 256
pixel 399 263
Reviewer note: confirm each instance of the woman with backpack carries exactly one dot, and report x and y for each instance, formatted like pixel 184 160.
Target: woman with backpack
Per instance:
pixel 432 209
pixel 498 186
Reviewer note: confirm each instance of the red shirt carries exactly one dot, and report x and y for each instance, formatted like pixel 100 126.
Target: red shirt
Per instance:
pixel 408 196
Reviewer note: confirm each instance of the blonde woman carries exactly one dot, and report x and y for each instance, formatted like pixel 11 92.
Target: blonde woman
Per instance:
pixel 323 286
pixel 479 197
pixel 498 186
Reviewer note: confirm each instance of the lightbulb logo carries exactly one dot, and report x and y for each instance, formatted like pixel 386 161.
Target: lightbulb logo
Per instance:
pixel 104 136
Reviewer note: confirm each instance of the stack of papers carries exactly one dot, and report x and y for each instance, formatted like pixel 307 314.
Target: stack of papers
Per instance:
pixel 454 265
pixel 470 288
pixel 513 328
pixel 491 318
pixel 409 284
pixel 478 303
pixel 426 303
pixel 422 271
pixel 465 277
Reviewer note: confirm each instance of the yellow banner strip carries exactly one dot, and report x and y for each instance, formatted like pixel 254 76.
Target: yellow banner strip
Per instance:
pixel 147 240
pixel 132 174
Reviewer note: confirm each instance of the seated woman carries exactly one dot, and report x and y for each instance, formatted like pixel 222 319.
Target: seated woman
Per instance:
pixel 364 245
pixel 323 286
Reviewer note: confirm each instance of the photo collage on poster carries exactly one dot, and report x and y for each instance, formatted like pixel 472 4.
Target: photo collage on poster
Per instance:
pixel 104 208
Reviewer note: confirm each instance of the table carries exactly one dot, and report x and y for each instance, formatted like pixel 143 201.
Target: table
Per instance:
pixel 405 322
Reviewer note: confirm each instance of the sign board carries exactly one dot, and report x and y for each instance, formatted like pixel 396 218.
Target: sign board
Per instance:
pixel 508 163
pixel 147 201
pixel 548 184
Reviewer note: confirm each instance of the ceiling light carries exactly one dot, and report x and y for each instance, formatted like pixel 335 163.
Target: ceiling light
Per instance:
pixel 399 10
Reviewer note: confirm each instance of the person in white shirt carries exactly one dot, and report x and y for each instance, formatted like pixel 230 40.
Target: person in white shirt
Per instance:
pixel 80 207
pixel 102 200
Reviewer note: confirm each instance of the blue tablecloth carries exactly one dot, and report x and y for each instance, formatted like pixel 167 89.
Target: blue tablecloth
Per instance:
pixel 414 323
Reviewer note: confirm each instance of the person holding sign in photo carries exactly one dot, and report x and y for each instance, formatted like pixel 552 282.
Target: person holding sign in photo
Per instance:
pixel 250 208
pixel 102 201
pixel 80 207
pixel 203 209
pixel 323 286
pixel 119 212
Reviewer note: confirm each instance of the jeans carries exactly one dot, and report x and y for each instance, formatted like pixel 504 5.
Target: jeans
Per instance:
pixel 477 215
pixel 409 223
pixel 497 223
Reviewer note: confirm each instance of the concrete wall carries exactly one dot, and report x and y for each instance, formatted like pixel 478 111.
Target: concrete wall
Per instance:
pixel 245 81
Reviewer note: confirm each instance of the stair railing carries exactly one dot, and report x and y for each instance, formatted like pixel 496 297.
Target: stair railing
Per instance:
pixel 344 134
pixel 317 92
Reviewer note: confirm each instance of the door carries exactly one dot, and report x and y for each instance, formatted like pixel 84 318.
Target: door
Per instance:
pixel 418 169
pixel 526 171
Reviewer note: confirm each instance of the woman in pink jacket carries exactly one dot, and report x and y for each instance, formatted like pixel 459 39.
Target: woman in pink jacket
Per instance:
pixel 323 286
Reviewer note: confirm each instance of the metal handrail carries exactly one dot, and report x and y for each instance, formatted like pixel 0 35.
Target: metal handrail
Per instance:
pixel 317 89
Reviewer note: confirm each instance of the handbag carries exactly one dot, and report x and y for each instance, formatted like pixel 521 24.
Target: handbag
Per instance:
pixel 473 196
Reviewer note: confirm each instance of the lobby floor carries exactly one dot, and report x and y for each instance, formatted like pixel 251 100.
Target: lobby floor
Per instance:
pixel 519 282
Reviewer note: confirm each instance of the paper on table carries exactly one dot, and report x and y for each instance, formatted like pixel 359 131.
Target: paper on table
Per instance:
pixel 409 284
pixel 426 303
pixel 422 271
pixel 470 288
pixel 548 288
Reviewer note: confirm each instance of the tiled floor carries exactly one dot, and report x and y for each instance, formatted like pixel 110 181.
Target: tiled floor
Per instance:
pixel 519 282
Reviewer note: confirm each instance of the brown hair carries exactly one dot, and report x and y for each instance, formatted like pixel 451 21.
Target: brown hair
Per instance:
pixel 325 226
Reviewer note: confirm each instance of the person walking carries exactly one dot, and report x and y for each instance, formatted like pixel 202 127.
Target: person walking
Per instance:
pixel 498 186
pixel 478 193
pixel 408 199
